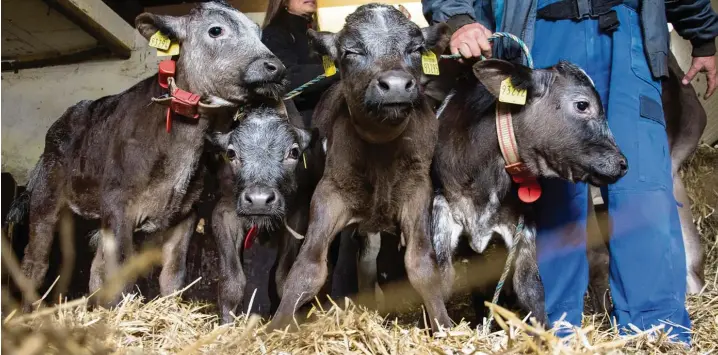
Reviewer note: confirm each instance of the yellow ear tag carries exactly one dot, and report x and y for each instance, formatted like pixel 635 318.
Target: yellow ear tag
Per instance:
pixel 304 158
pixel 511 95
pixel 224 157
pixel 329 68
pixel 173 50
pixel 429 63
pixel 160 41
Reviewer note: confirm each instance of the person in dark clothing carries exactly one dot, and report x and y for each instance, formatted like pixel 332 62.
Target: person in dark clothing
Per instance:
pixel 285 34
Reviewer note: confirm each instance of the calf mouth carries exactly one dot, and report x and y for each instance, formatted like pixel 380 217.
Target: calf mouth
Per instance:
pixel 269 221
pixel 271 89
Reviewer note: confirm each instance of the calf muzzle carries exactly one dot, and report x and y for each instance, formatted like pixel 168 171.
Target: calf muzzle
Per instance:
pixel 393 88
pixel 258 200
pixel 265 70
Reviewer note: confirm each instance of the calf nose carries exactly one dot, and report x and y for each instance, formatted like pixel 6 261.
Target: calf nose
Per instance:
pixel 396 87
pixel 258 198
pixel 264 70
pixel 623 165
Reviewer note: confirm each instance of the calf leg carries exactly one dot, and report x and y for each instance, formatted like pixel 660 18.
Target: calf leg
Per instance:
pixel 286 255
pixel 44 211
pixel 328 216
pixel 420 260
pixel 526 278
pixel 445 233
pixel 174 255
pixel 97 270
pixel 366 269
pixel 116 232
pixel 691 238
pixel 227 233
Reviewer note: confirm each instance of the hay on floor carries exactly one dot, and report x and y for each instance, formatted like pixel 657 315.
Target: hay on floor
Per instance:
pixel 168 325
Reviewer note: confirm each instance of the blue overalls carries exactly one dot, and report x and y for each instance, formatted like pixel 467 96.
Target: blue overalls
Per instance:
pixel 647 265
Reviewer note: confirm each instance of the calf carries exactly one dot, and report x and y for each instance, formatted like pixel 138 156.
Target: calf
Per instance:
pixel 380 135
pixel 111 159
pixel 265 188
pixel 561 132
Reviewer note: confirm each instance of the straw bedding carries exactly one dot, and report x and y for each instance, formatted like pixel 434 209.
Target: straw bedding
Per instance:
pixel 169 325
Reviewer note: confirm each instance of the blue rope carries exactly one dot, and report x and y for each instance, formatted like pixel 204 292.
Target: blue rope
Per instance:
pixel 509 262
pixel 301 88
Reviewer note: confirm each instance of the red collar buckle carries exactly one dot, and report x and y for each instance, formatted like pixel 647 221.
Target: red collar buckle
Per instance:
pixel 167 70
pixel 529 188
pixel 185 103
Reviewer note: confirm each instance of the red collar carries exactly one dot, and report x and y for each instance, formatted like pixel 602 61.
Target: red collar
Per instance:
pixel 529 188
pixel 184 103
pixel 249 238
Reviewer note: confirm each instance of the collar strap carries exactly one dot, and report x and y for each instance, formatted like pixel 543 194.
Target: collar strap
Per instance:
pixel 529 188
pixel 183 103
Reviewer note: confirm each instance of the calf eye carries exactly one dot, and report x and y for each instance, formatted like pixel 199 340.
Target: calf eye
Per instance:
pixel 582 106
pixel 293 153
pixel 231 154
pixel 215 32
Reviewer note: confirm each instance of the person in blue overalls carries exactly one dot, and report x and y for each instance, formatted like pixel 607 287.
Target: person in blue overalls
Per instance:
pixel 623 46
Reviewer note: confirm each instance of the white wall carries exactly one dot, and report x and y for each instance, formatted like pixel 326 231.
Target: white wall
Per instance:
pixel 33 99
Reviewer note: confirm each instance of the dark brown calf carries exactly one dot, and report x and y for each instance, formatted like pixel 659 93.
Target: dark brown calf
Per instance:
pixel 380 134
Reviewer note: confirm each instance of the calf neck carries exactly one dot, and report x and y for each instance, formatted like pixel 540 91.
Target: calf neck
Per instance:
pixel 380 135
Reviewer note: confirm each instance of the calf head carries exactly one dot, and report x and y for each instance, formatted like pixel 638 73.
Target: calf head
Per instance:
pixel 378 54
pixel 264 152
pixel 222 57
pixel 562 130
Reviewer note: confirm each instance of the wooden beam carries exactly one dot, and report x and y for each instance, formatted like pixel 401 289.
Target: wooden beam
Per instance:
pixel 50 59
pixel 183 9
pixel 99 21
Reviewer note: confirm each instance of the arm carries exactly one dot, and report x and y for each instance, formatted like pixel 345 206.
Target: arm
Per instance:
pixel 696 21
pixel 470 29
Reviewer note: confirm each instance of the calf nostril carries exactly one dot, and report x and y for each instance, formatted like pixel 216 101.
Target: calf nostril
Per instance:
pixel 383 85
pixel 271 67
pixel 623 164
pixel 272 196
pixel 248 199
pixel 410 85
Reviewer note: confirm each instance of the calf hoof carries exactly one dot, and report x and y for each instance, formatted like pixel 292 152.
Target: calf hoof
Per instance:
pixel 281 323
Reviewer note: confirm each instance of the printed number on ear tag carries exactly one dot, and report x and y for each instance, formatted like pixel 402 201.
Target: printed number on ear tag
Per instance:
pixel 329 68
pixel 511 95
pixel 429 63
pixel 160 41
pixel 172 50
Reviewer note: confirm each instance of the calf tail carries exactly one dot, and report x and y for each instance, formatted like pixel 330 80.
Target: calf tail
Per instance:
pixel 21 204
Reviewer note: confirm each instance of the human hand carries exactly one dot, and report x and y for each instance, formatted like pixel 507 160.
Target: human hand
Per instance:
pixel 471 41
pixel 706 65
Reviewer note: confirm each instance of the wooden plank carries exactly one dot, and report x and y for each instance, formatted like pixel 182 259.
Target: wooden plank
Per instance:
pixel 98 20
pixel 183 9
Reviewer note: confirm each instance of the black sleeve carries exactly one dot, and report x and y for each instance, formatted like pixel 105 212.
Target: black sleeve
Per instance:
pixel 695 21
pixel 282 44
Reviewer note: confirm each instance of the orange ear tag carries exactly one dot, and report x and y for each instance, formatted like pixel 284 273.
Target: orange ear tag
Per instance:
pixel 529 192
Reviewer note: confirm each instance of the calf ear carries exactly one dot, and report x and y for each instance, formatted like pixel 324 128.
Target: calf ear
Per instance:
pixel 304 138
pixel 324 43
pixel 492 72
pixel 173 27
pixel 436 37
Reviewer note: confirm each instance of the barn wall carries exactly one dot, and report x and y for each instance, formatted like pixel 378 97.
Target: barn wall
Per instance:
pixel 33 99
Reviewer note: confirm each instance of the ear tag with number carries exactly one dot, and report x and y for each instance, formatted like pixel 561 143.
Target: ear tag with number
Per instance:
pixel 160 41
pixel 511 95
pixel 429 63
pixel 172 50
pixel 329 68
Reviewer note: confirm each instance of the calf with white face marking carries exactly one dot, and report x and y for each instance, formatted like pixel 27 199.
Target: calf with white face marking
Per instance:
pixel 265 187
pixel 111 158
pixel 561 132
pixel 380 135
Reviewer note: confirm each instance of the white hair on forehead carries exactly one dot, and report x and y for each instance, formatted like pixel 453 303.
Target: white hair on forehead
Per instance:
pixel 587 76
pixel 380 12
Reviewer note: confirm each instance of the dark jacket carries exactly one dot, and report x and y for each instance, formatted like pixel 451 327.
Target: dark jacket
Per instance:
pixel 286 36
pixel 694 20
